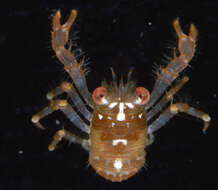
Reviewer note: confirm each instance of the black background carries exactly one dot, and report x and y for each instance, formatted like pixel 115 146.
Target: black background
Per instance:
pixel 119 34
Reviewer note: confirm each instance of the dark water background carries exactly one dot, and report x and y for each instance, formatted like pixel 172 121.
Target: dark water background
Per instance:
pixel 119 34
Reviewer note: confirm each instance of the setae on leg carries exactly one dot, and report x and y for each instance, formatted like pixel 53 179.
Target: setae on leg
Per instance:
pixel 75 69
pixel 186 50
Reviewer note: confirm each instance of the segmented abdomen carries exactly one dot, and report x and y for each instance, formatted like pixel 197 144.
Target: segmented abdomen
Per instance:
pixel 117 154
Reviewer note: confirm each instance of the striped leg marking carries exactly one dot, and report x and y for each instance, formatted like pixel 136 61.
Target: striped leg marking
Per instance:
pixel 66 109
pixel 166 98
pixel 68 88
pixel 174 109
pixel 63 134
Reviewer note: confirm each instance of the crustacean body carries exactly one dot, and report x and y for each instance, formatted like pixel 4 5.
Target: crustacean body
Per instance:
pixel 124 116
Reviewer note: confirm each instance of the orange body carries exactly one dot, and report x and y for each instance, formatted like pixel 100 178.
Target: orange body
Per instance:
pixel 118 131
pixel 118 128
pixel 117 147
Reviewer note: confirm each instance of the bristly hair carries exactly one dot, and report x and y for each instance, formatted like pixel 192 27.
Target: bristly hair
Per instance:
pixel 120 87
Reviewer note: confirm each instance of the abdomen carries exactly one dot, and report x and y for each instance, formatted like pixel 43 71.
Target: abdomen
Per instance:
pixel 118 153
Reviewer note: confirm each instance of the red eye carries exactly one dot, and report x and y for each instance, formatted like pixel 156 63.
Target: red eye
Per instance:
pixel 143 94
pixel 98 95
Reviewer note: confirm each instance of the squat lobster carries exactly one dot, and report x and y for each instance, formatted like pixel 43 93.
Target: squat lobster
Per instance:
pixel 121 120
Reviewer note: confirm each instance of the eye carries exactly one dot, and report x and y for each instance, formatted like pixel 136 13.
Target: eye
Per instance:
pixel 98 95
pixel 143 95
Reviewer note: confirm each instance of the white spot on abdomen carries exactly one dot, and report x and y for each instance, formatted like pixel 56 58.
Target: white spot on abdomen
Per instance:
pixel 118 164
pixel 116 141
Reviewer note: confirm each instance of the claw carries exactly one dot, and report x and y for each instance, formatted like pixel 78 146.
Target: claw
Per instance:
pixel 178 28
pixel 186 43
pixel 60 33
pixel 56 24
pixel 56 21
pixel 70 20
pixel 193 33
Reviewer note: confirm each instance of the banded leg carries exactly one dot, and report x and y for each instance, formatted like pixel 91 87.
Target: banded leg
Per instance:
pixel 186 49
pixel 66 109
pixel 60 36
pixel 166 98
pixel 68 88
pixel 171 111
pixel 59 135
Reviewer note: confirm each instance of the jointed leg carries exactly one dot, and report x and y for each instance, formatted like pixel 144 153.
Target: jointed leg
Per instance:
pixel 173 110
pixel 66 109
pixel 70 90
pixel 166 98
pixel 60 36
pixel 186 48
pixel 59 135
